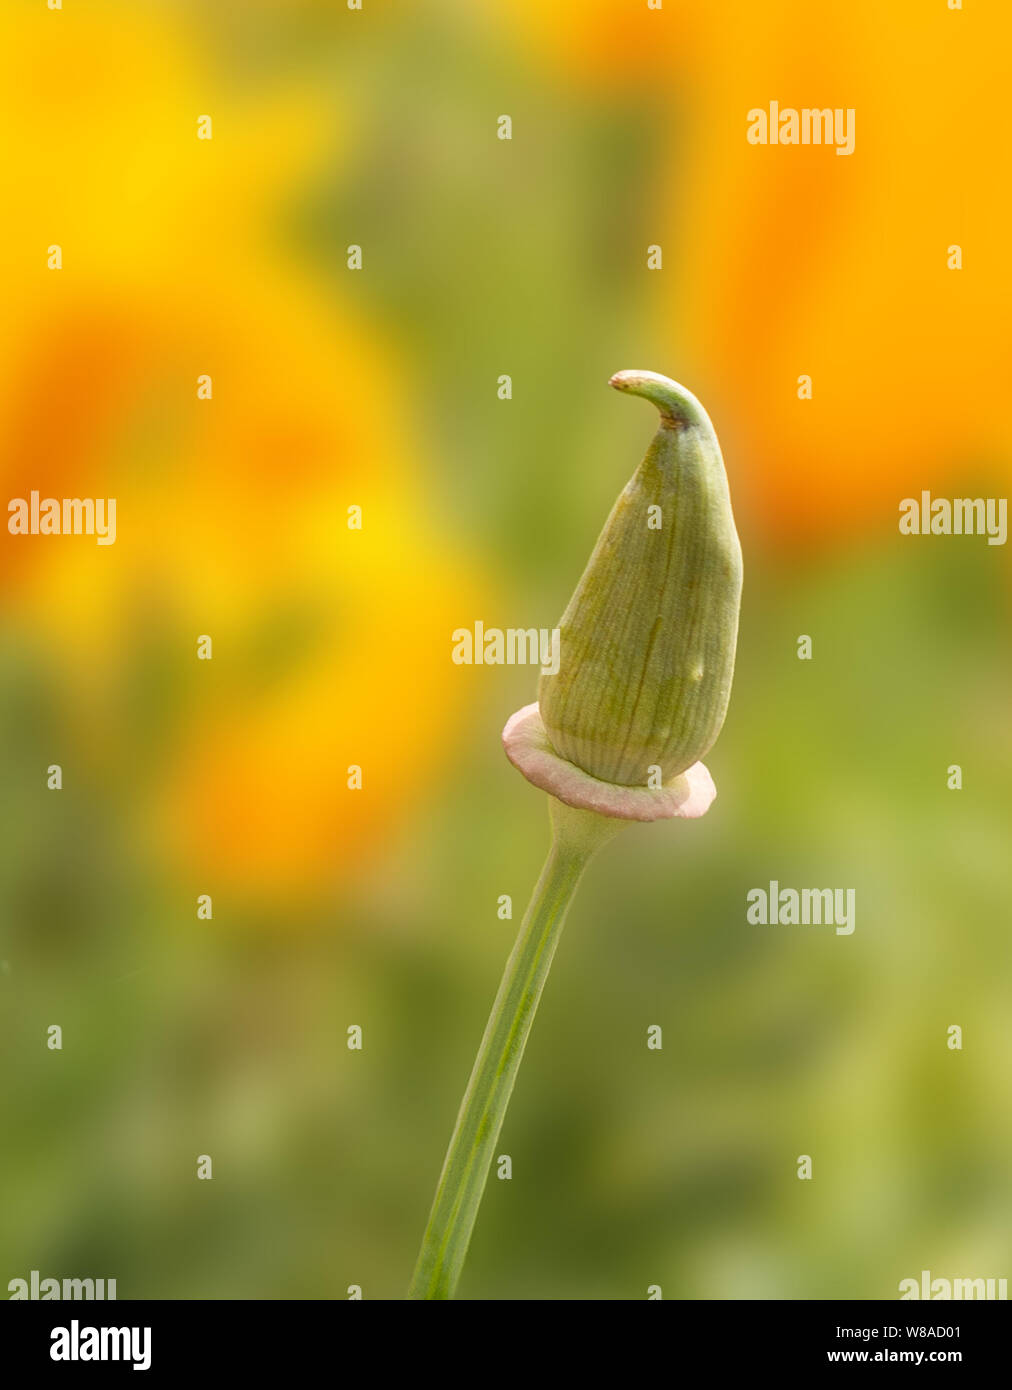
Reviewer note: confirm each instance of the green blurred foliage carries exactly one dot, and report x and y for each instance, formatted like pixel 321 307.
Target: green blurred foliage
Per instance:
pixel 630 1167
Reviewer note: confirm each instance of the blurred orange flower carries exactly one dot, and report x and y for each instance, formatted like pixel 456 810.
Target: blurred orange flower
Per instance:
pixel 792 261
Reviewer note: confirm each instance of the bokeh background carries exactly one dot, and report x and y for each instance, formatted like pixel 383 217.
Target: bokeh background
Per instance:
pixel 378 388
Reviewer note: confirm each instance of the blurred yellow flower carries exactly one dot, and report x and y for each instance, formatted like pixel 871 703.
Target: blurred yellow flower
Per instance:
pixel 330 644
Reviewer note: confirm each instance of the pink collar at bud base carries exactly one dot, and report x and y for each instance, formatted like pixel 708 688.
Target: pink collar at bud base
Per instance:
pixel 688 795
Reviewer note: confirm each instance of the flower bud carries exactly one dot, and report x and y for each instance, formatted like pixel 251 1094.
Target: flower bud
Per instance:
pixel 648 640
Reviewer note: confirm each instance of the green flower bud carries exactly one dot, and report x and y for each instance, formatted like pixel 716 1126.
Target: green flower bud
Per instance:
pixel 648 640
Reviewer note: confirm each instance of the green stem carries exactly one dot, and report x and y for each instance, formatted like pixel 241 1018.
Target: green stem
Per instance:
pixel 576 836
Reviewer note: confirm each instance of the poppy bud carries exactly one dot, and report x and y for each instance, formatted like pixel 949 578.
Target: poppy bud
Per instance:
pixel 648 639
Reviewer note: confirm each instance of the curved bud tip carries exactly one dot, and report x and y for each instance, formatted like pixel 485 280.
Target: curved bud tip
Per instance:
pixel 678 406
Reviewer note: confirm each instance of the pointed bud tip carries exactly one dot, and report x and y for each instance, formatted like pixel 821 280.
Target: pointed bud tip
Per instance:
pixel 678 406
